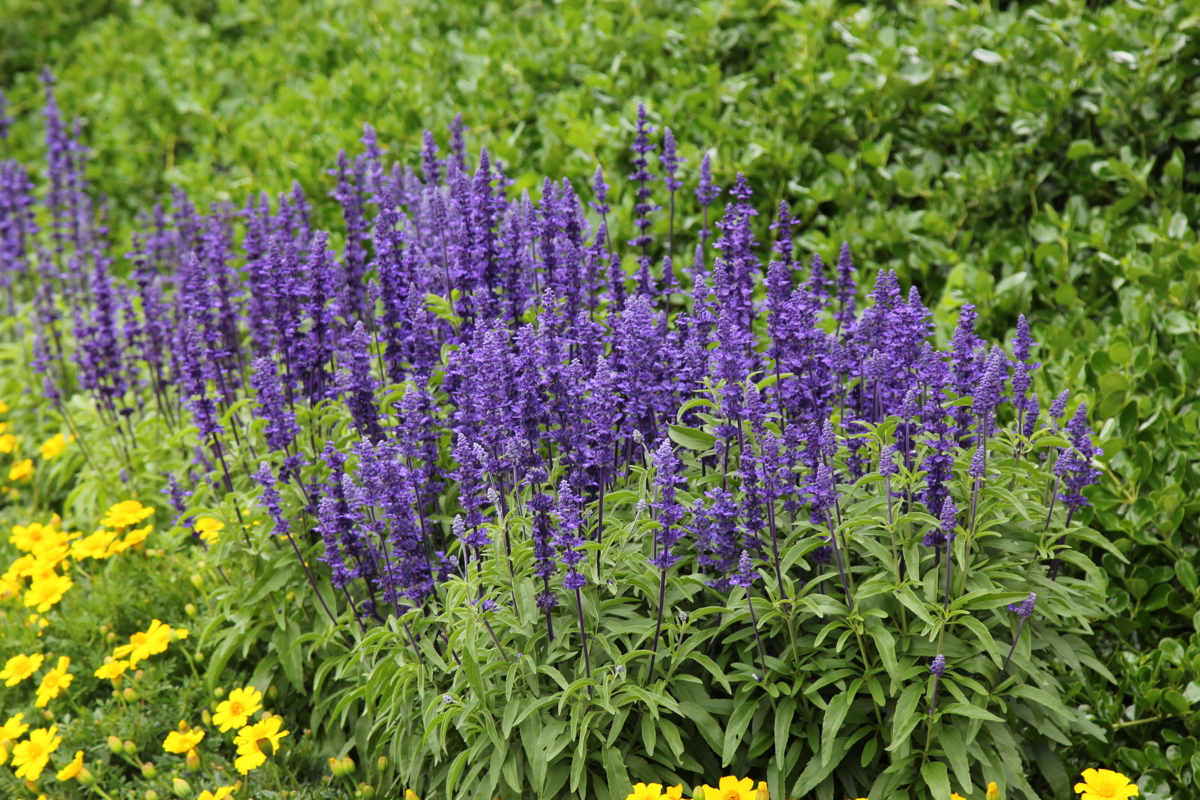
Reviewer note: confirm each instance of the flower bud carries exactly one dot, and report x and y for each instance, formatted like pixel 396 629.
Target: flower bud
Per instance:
pixel 190 610
pixel 139 674
pixel 148 770
pixel 993 791
pixel 48 714
pixel 197 580
pixel 290 596
pixel 181 787
pixel 273 692
pixel 206 716
pixel 382 763
pixel 85 777
pixel 763 793
pixel 219 692
pixel 199 657
pixel 116 693
pixel 115 745
pixel 367 790
pixel 151 794
pixel 193 759
pixel 335 766
pixel 409 794
pixel 129 747
pixel 110 637
pixel 698 793
pixel 104 630
pixel 129 694
pixel 31 785
pixel 348 766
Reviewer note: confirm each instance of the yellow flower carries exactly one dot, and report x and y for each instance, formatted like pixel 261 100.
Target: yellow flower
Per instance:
pixel 234 712
pixel 8 443
pixel 644 791
pixel 20 667
pixel 14 728
pixel 209 529
pixel 409 794
pixel 253 739
pixel 54 682
pixel 993 791
pixel 45 592
pixel 53 446
pixel 177 742
pixel 94 546
pixel 21 469
pixel 730 788
pixel 34 538
pixel 220 794
pixel 1104 784
pixel 31 756
pixel 3 407
pixel 73 769
pixel 9 588
pixel 125 514
pixel 956 796
pixel 143 645
pixel 132 538
pixel 112 670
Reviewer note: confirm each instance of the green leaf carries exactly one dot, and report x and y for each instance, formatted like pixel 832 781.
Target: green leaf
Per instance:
pixel 691 438
pixel 735 728
pixel 1080 148
pixel 1188 131
pixel 968 710
pixel 936 778
pixel 703 721
pixel 835 715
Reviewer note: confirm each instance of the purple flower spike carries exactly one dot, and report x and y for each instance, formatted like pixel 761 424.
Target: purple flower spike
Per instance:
pixel 746 573
pixel 1024 609
pixel 600 190
pixel 671 161
pixel 1059 406
pixel 938 667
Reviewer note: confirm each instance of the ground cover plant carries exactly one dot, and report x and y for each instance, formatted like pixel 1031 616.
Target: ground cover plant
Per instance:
pixel 1072 206
pixel 476 396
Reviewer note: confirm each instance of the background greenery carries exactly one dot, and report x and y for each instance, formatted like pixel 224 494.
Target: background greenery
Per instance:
pixel 1037 158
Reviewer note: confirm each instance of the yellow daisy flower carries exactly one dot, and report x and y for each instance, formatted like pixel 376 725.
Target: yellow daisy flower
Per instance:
pixel 209 529
pixel 182 742
pixel 32 538
pixel 14 728
pixel 125 514
pixel 45 592
pixel 8 443
pixel 53 446
pixel 112 670
pixel 143 645
pixel 645 791
pixel 54 681
pixel 94 546
pixel 132 538
pixel 252 740
pixel 234 712
pixel 220 794
pixel 73 769
pixel 20 667
pixel 1104 784
pixel 730 788
pixel 31 756
pixel 21 470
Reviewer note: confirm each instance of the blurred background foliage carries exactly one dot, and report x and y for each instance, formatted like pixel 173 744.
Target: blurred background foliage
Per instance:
pixel 1036 157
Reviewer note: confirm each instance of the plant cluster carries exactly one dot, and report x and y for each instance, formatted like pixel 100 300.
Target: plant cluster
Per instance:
pixel 553 484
